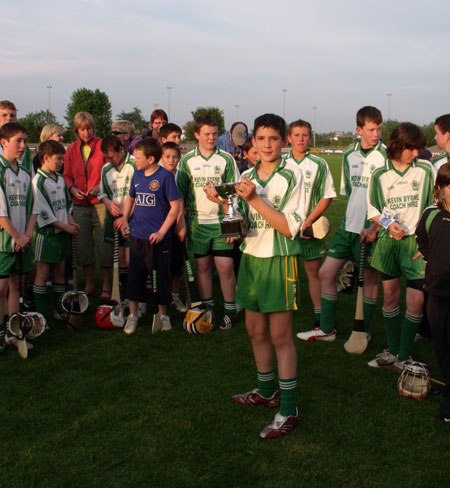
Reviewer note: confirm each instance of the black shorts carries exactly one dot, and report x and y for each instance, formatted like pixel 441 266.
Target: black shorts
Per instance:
pixel 144 259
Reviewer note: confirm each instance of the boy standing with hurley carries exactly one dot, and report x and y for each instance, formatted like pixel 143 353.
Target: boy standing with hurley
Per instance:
pixel 205 164
pixel 359 163
pixel 273 204
pixel 17 220
pixel 319 191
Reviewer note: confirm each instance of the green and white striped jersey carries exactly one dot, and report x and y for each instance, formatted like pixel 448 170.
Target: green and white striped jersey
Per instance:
pixel 284 191
pixel 316 178
pixel 194 171
pixel 401 195
pixel 26 161
pixel 52 201
pixel 114 183
pixel 16 201
pixel 438 161
pixel 356 170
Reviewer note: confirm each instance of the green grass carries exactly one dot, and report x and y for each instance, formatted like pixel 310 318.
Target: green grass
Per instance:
pixel 102 409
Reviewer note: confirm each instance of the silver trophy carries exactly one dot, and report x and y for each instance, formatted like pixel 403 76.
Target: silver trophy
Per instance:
pixel 233 225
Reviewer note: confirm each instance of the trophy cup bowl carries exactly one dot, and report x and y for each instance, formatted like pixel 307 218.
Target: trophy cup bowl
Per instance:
pixel 233 225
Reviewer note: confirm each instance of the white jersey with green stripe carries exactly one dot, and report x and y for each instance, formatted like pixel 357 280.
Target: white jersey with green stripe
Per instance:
pixel 316 178
pixel 26 161
pixel 402 196
pixel 194 171
pixel 438 161
pixel 16 201
pixel 356 170
pixel 52 201
pixel 284 191
pixel 115 183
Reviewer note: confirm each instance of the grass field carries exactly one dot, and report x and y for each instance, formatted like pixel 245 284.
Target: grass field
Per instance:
pixel 102 409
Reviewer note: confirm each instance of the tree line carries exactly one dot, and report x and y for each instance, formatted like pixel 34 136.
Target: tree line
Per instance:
pixel 97 103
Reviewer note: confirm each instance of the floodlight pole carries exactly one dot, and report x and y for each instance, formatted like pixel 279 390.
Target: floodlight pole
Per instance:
pixel 49 87
pixel 284 90
pixel 169 89
pixel 314 127
pixel 389 105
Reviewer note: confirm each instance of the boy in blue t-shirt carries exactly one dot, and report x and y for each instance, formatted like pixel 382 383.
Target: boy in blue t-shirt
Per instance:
pixel 153 202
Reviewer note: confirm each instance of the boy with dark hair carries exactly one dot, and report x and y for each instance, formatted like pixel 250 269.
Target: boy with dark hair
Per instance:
pixel 171 155
pixel 204 165
pixel 273 202
pixel 442 137
pixel 319 190
pixel 170 132
pixel 55 225
pixel 358 164
pixel 397 195
pixel 17 219
pixel 153 196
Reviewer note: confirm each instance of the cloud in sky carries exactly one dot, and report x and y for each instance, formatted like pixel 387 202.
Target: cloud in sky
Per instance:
pixel 337 56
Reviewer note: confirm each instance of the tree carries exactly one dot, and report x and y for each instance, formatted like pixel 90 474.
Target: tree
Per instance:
pixel 136 117
pixel 387 129
pixel 429 133
pixel 214 112
pixel 96 103
pixel 34 123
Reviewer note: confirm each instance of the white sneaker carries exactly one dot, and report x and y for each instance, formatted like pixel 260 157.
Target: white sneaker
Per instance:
pixel 166 325
pixel 142 309
pixel 382 360
pixel 178 304
pixel 317 334
pixel 131 324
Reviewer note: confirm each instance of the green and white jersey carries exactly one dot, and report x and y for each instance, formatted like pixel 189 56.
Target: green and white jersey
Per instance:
pixel 356 170
pixel 115 183
pixel 52 201
pixel 401 195
pixel 284 191
pixel 16 201
pixel 194 170
pixel 438 161
pixel 316 178
pixel 26 161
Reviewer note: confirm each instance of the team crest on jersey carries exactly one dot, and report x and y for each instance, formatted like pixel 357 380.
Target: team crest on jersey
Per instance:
pixel 308 174
pixel 154 185
pixel 217 169
pixel 372 168
pixel 415 185
pixel 44 215
pixel 276 201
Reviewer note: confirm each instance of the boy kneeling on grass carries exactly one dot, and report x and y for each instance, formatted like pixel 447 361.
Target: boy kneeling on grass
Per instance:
pixel 153 201
pixel 273 202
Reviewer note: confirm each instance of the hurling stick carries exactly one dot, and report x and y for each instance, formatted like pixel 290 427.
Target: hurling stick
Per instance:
pixel 192 295
pixel 115 292
pixel 21 343
pixel 357 342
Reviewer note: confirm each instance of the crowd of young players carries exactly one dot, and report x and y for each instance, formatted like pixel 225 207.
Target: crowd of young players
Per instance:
pixel 126 183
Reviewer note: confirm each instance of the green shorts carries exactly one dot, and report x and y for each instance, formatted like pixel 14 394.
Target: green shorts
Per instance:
pixel 9 262
pixel 109 232
pixel 347 246
pixel 53 248
pixel 267 285
pixel 312 249
pixel 203 239
pixel 395 258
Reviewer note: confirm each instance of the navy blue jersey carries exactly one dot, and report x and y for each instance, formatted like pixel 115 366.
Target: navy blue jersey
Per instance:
pixel 152 195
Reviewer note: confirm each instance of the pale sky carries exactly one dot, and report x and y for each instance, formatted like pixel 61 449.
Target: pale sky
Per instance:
pixel 335 55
